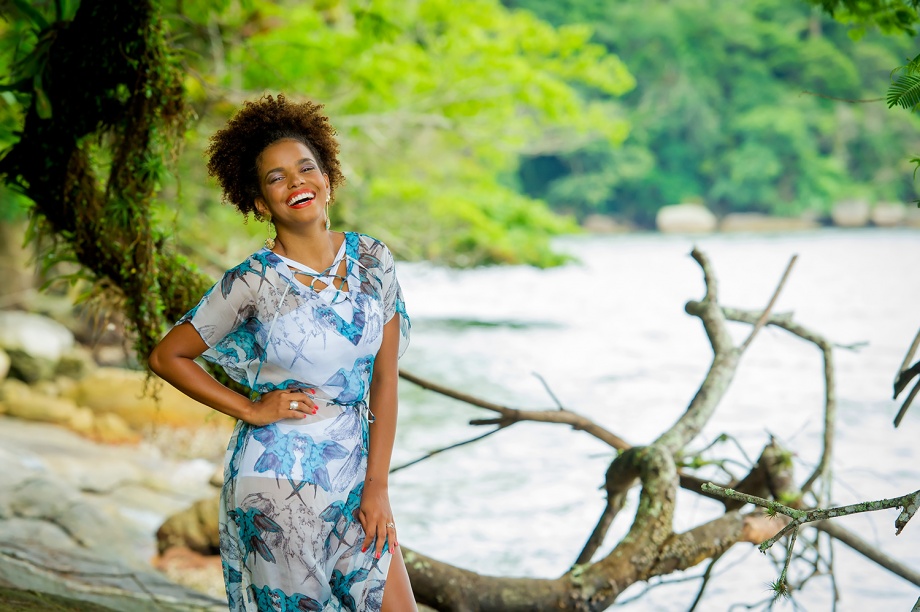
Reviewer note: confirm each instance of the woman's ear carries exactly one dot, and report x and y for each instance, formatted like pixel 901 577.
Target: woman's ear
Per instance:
pixel 261 207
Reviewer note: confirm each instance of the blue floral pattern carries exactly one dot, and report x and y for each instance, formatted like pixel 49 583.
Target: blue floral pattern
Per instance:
pixel 289 534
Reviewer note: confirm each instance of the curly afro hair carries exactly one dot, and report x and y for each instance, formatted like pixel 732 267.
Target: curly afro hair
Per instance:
pixel 234 151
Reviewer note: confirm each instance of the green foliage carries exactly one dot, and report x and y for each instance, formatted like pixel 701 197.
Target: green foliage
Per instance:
pixel 434 102
pixel 905 92
pixel 890 16
pixel 745 111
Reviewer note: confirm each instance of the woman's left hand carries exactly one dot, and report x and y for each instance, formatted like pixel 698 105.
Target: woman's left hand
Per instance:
pixel 377 518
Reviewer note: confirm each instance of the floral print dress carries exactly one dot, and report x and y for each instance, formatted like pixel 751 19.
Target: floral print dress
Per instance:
pixel 289 536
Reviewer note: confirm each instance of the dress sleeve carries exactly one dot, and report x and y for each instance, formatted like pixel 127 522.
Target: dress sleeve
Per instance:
pixel 393 303
pixel 222 309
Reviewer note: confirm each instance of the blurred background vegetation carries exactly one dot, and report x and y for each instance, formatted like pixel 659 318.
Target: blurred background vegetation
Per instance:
pixel 472 132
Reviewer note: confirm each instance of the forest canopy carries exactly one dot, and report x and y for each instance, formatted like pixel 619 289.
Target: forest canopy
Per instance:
pixel 765 106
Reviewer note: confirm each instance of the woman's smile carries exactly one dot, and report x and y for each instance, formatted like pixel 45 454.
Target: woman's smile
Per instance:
pixel 301 198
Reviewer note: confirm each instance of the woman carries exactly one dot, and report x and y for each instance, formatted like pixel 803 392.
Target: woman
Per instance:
pixel 305 518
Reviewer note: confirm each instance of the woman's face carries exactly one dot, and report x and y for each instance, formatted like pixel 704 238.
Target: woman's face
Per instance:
pixel 294 189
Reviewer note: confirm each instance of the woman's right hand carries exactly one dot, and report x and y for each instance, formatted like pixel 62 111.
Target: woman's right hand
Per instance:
pixel 277 405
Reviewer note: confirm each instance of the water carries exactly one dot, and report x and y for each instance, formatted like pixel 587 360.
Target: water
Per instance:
pixel 610 338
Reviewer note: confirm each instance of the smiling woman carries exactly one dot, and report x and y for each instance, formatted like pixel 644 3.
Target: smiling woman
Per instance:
pixel 313 324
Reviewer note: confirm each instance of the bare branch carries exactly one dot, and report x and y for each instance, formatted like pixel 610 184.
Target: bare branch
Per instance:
pixel 766 313
pixel 721 371
pixel 706 576
pixel 784 321
pixel 438 451
pixel 910 353
pixel 513 415
pixel 869 551
pixel 549 391
pixel 910 504
pixel 907 401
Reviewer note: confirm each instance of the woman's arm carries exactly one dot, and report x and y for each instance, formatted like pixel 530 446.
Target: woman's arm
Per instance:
pixel 173 360
pixel 375 510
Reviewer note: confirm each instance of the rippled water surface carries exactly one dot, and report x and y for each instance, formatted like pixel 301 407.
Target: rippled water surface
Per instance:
pixel 610 338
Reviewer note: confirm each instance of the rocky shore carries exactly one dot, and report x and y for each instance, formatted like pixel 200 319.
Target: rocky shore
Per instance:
pixel 96 459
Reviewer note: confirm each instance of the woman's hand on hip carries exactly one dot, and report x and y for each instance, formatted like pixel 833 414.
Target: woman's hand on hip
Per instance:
pixel 278 405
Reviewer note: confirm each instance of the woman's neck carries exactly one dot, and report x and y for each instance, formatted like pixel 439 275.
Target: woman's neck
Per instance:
pixel 314 249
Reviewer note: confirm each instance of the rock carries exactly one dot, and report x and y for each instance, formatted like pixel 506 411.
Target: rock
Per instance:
pixel 34 343
pixel 78 519
pixel 77 363
pixel 685 218
pixel 912 215
pixel 194 570
pixel 50 501
pixel 603 224
pixel 850 213
pixel 23 402
pixel 888 214
pixel 756 222
pixel 82 421
pixel 29 367
pixel 110 428
pixel 4 365
pixel 125 393
pixel 195 528
pixel 95 578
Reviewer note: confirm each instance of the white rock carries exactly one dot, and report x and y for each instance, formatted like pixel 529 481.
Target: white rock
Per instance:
pixel 888 214
pixel 850 213
pixel 34 334
pixel 685 218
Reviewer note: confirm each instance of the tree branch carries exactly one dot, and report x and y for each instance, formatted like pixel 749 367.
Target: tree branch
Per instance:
pixel 513 415
pixel 784 321
pixel 766 312
pixel 909 503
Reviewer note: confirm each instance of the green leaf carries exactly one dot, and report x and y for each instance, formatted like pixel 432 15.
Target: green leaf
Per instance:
pixel 42 102
pixel 905 92
pixel 913 66
pixel 40 22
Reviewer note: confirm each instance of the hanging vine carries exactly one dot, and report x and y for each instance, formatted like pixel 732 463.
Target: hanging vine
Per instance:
pixel 105 112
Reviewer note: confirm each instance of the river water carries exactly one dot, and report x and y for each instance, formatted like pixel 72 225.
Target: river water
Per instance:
pixel 609 336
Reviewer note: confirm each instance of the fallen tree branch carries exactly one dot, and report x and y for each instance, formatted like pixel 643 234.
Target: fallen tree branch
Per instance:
pixel 909 504
pixel 513 415
pixel 769 309
pixel 784 321
pixel 869 551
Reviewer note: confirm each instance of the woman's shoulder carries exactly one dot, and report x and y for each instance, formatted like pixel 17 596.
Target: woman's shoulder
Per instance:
pixel 373 250
pixel 262 264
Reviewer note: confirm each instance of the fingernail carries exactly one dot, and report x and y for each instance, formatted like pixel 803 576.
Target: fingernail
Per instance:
pixel 377 555
pixel 312 391
pixel 364 550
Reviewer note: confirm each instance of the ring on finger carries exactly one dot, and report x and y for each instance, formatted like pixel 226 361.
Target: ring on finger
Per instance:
pixel 293 405
pixel 392 525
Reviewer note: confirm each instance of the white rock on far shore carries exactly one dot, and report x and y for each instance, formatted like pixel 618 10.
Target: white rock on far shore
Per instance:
pixel 850 213
pixel 756 222
pixel 888 214
pixel 34 334
pixel 685 218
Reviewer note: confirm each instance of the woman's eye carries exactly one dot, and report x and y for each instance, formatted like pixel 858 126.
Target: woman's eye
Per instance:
pixel 307 168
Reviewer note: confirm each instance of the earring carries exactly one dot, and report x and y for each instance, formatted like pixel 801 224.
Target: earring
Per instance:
pixel 328 224
pixel 270 241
